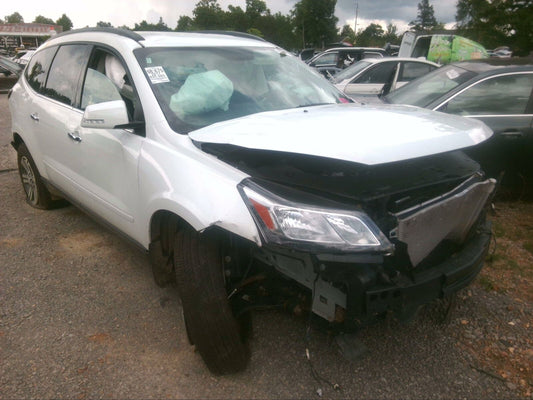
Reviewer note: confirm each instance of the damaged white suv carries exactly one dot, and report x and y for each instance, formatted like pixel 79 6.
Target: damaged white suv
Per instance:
pixel 249 181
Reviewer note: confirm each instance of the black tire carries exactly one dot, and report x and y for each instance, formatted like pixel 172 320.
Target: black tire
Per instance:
pixel 37 195
pixel 211 325
pixel 162 265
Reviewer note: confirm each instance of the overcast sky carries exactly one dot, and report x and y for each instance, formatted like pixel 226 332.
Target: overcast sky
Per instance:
pixel 128 12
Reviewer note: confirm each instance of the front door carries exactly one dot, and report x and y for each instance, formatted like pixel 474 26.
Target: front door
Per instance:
pixel 107 159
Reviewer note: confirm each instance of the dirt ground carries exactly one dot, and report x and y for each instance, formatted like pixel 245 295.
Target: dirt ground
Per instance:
pixel 80 317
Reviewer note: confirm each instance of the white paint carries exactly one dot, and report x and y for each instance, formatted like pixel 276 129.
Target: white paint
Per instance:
pixel 363 134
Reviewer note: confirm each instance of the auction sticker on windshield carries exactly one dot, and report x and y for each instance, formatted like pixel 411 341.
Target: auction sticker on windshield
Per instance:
pixel 156 74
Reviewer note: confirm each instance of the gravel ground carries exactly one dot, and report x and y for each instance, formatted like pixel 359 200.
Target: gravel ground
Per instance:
pixel 80 317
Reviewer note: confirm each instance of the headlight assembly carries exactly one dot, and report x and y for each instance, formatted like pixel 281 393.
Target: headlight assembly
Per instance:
pixel 281 221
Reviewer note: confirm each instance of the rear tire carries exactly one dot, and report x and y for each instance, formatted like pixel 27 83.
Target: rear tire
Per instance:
pixel 210 322
pixel 37 195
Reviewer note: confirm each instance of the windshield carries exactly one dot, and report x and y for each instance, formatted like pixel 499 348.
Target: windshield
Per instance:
pixel 196 87
pixel 423 91
pixel 350 72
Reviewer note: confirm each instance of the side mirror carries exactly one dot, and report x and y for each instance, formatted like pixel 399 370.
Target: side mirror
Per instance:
pixel 108 115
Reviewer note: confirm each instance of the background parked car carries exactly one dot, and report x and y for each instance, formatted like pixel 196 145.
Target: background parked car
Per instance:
pixel 501 52
pixel 333 60
pixel 368 77
pixel 9 73
pixel 25 58
pixel 496 91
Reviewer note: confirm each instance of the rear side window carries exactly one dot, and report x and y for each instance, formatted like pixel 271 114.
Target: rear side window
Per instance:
pixel 380 73
pixel 38 68
pixel 413 70
pixel 65 72
pixel 501 95
pixel 327 59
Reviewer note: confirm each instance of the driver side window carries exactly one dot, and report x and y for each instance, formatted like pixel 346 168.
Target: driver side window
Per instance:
pixel 98 88
pixel 107 80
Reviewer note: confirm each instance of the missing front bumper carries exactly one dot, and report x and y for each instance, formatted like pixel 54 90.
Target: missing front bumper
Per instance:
pixel 437 282
pixel 356 289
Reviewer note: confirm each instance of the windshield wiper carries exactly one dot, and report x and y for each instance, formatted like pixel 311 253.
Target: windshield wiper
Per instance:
pixel 313 105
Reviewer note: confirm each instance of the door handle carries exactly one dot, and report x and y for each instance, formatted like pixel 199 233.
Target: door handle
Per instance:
pixel 34 116
pixel 512 134
pixel 74 137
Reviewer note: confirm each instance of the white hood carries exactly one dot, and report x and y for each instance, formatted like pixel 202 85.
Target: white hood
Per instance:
pixel 358 133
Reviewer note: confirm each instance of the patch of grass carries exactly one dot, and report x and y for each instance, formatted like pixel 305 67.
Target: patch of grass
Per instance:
pixel 495 257
pixel 528 246
pixel 512 264
pixel 498 229
pixel 486 283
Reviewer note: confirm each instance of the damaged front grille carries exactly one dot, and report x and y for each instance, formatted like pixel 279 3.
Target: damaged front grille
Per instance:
pixel 449 217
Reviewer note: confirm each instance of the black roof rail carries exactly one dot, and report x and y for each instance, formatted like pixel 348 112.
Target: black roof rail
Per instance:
pixel 234 33
pixel 121 32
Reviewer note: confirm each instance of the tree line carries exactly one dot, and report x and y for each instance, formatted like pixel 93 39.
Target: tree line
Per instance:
pixel 312 23
pixel 16 18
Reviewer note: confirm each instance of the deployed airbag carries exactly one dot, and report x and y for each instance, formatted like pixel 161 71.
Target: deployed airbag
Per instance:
pixel 202 93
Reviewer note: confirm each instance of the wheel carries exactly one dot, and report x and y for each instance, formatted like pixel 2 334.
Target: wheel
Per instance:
pixel 209 319
pixel 162 265
pixel 37 195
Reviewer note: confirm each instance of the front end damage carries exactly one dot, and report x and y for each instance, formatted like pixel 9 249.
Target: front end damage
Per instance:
pixel 403 233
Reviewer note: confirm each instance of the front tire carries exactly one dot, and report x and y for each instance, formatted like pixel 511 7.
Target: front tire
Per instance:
pixel 37 195
pixel 211 325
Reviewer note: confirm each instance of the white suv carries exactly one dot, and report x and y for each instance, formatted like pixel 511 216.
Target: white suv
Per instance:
pixel 249 181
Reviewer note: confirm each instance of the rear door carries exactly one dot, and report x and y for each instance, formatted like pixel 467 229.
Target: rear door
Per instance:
pixel 53 114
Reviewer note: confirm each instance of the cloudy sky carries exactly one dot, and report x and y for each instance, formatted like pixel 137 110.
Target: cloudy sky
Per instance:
pixel 127 12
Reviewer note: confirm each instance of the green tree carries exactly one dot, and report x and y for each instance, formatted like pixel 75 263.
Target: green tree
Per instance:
pixel 185 24
pixel 497 22
pixel 391 35
pixel 255 32
pixel 208 15
pixel 161 26
pixel 347 34
pixel 425 20
pixel 255 9
pixel 315 22
pixel 145 26
pixel 39 19
pixel 279 29
pixel 14 18
pixel 371 36
pixel 236 19
pixel 102 24
pixel 65 22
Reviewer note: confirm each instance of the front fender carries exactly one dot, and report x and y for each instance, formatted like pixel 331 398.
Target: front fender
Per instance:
pixel 197 187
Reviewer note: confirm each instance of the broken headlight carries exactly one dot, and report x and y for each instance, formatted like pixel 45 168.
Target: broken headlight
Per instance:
pixel 281 221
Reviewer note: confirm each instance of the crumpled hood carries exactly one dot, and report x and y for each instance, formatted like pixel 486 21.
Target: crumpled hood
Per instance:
pixel 365 134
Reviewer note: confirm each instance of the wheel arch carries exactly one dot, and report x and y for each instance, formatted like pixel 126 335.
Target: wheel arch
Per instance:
pixel 239 224
pixel 161 218
pixel 33 147
pixel 17 140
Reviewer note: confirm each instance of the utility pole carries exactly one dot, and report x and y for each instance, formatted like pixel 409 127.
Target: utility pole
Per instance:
pixel 356 15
